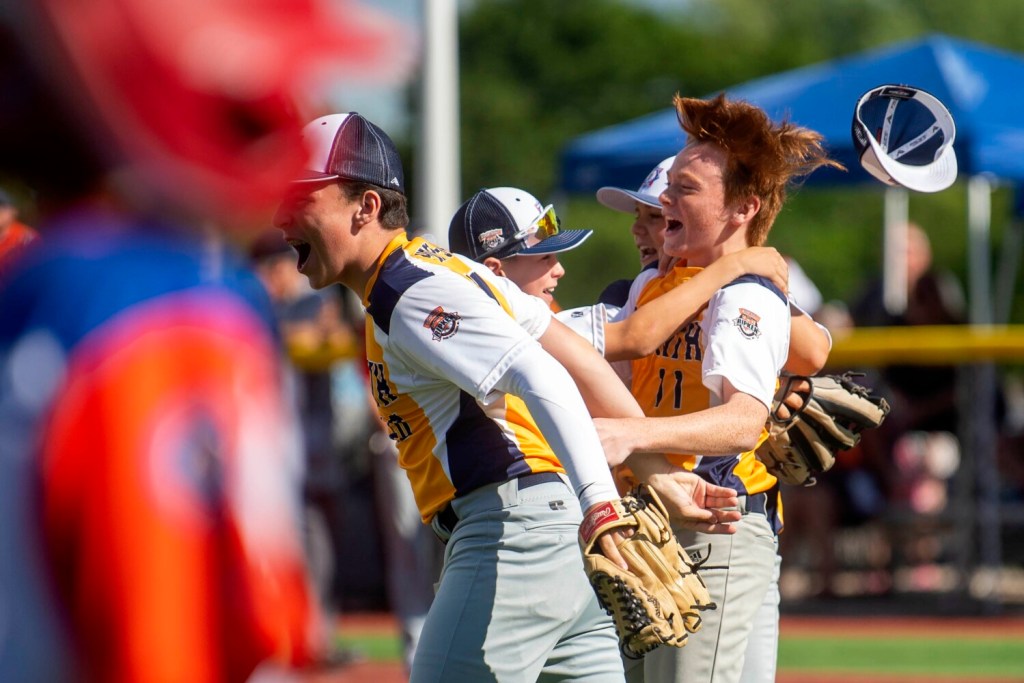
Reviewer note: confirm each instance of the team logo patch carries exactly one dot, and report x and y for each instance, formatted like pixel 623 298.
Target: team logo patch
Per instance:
pixel 746 323
pixel 651 178
pixel 431 252
pixel 442 324
pixel 489 239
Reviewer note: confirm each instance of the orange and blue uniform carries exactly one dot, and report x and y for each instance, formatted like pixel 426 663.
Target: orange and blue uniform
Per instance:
pixel 163 464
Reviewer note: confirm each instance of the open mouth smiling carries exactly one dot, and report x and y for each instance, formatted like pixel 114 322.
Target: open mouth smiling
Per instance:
pixel 303 249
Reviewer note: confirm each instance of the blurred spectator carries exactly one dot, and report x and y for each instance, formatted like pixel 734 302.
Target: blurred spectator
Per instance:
pixel 412 552
pixel 923 398
pixel 912 456
pixel 14 235
pixel 310 321
pixel 149 462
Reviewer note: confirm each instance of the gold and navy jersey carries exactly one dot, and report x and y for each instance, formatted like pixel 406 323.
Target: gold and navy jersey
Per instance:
pixel 441 331
pixel 741 336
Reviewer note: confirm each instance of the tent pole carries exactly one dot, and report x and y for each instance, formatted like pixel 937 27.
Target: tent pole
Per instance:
pixel 894 245
pixel 979 220
pixel 981 444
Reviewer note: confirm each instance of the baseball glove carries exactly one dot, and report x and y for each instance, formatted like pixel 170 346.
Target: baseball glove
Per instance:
pixel 802 441
pixel 659 600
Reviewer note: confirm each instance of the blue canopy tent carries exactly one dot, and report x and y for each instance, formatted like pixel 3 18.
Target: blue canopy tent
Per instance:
pixel 979 85
pixel 976 82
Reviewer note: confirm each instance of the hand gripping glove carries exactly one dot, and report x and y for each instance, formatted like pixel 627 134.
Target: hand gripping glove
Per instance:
pixel 659 600
pixel 831 418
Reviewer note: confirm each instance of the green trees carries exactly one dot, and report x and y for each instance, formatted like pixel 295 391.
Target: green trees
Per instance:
pixel 535 73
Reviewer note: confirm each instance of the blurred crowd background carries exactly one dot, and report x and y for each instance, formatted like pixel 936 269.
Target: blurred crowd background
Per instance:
pixel 894 518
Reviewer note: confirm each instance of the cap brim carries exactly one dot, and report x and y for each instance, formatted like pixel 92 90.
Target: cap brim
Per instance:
pixel 934 176
pixel 315 177
pixel 563 241
pixel 625 200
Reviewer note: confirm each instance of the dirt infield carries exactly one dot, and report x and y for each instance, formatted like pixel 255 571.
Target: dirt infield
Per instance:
pixel 793 626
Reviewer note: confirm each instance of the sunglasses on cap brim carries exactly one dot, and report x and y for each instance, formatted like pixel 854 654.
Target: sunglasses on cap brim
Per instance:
pixel 548 224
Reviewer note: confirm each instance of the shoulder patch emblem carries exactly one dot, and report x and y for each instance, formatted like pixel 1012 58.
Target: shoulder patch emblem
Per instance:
pixel 442 324
pixel 746 323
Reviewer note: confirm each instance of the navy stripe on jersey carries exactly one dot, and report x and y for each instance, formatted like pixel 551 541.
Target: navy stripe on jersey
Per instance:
pixel 720 471
pixel 396 275
pixel 475 277
pixel 472 436
pixel 763 281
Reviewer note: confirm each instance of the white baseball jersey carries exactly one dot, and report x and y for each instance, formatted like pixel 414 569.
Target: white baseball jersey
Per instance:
pixel 741 336
pixel 589 322
pixel 441 331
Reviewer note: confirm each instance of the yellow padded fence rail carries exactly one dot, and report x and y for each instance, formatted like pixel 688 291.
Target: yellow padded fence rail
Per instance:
pixel 928 345
pixel 866 346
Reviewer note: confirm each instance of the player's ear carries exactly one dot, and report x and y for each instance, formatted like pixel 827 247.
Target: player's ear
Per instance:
pixel 495 265
pixel 369 208
pixel 745 209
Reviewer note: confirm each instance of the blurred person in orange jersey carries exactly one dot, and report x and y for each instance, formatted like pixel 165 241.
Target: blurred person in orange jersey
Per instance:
pixel 149 463
pixel 14 235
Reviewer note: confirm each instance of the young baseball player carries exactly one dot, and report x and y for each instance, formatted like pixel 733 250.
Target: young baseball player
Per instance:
pixel 515 236
pixel 713 382
pixel 648 227
pixel 495 436
pixel 810 342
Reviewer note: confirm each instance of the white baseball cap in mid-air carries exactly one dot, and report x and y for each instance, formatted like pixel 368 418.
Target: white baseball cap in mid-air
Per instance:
pixel 650 189
pixel 506 221
pixel 904 137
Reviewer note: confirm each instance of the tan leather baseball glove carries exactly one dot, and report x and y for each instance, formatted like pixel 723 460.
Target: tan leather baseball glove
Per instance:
pixel 659 599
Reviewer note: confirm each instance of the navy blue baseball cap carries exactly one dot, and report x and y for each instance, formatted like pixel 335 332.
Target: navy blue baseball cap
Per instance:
pixel 506 221
pixel 348 147
pixel 904 137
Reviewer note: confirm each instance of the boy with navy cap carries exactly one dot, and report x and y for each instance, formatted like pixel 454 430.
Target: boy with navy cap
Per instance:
pixel 491 429
pixel 509 230
pixel 515 236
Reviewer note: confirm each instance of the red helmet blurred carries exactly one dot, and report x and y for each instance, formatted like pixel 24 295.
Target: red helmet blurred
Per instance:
pixel 197 98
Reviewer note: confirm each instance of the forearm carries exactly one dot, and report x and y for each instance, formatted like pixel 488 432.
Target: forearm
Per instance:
pixel 652 324
pixel 809 346
pixel 603 392
pixel 558 409
pixel 731 428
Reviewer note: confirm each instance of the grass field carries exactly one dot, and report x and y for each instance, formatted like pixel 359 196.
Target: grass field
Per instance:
pixel 862 649
pixel 918 656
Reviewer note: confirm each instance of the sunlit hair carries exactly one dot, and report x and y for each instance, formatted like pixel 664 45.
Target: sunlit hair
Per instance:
pixel 762 157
